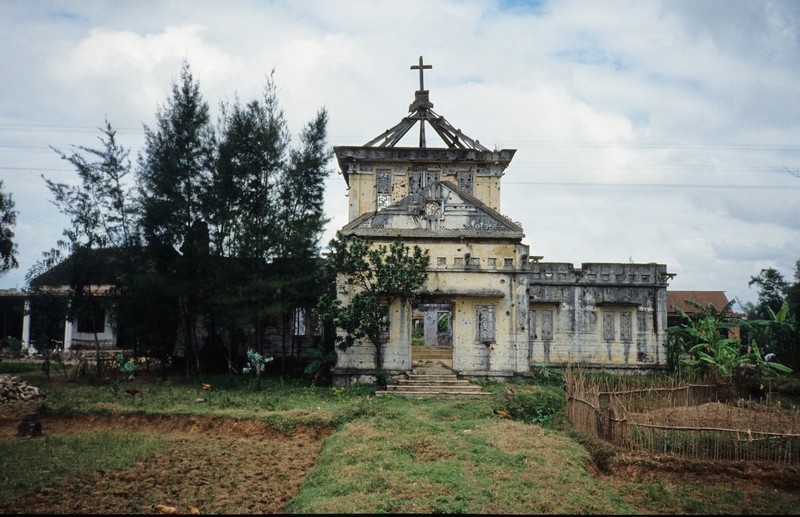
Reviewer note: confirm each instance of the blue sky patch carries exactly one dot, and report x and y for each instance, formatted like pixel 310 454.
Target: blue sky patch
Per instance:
pixel 528 6
pixel 591 56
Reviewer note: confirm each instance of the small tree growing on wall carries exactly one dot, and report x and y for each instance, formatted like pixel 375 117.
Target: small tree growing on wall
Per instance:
pixel 379 275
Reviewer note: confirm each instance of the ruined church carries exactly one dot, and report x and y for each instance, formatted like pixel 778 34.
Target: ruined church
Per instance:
pixel 488 309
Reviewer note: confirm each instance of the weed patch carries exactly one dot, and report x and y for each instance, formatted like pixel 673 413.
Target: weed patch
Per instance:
pixel 47 459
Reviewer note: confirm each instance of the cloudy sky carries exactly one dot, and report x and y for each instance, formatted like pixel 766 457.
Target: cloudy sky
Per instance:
pixel 649 131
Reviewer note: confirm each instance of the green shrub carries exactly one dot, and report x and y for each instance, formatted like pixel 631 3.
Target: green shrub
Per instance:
pixel 11 346
pixel 6 367
pixel 547 375
pixel 537 407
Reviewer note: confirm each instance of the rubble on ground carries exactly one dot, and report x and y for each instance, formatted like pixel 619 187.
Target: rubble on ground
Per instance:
pixel 13 388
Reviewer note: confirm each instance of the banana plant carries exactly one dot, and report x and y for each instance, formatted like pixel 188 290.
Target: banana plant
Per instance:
pixel 701 341
pixel 702 336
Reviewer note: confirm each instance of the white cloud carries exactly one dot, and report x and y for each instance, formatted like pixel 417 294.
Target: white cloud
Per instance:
pixel 623 92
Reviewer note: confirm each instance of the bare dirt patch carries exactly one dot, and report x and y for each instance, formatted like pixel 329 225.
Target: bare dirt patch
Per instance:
pixel 214 464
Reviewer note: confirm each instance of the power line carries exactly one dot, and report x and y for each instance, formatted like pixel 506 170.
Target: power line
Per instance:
pixel 63 128
pixel 653 185
pixel 515 141
pixel 554 183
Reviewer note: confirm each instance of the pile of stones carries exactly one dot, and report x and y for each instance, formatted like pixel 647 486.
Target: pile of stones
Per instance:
pixel 13 388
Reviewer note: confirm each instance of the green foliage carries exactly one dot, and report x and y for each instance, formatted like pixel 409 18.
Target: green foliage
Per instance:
pixel 102 216
pixel 547 375
pixel 777 335
pixel 322 362
pixel 702 336
pixel 700 341
pixel 8 219
pixel 11 346
pixel 174 164
pixel 101 209
pixel 239 193
pixel 780 334
pixel 256 365
pixel 536 407
pixel 244 208
pixel 383 378
pixel 443 324
pixel 377 276
pixel 127 366
pixel 771 291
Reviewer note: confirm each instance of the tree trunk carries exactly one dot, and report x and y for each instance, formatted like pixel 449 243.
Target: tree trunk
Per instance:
pixel 379 362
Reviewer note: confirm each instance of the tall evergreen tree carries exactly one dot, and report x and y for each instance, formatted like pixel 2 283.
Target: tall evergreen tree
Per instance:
pixel 302 191
pixel 174 165
pixel 103 208
pixel 102 216
pixel 251 160
pixel 174 176
pixel 302 220
pixel 267 213
pixel 8 219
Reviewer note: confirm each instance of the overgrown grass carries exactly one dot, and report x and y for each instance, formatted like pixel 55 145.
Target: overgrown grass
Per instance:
pixel 283 404
pixel 389 455
pixel 653 496
pixel 14 367
pixel 449 456
pixel 31 463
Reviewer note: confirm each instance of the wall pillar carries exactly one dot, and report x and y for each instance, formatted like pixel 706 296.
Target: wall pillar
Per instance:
pixel 26 329
pixel 67 335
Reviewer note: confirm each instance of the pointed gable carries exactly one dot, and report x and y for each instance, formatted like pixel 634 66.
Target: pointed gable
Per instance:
pixel 440 210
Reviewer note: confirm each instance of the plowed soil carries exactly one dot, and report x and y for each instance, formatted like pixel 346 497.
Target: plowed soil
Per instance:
pixel 215 465
pixel 242 466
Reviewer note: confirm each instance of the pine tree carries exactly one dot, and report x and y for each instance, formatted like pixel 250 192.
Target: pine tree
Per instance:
pixel 174 165
pixel 102 227
pixel 174 177
pixel 302 191
pixel 8 219
pixel 267 215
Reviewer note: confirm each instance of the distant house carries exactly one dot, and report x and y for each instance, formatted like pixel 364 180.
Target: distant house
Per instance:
pixel 677 299
pixel 283 334
pixel 101 268
pixel 12 306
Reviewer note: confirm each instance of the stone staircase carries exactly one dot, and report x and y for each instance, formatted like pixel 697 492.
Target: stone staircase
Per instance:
pixel 431 379
pixel 432 354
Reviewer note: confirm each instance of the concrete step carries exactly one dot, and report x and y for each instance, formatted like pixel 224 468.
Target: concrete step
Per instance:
pixel 439 389
pixel 426 382
pixel 426 352
pixel 433 394
pixel 422 352
pixel 431 357
pixel 426 368
pixel 432 381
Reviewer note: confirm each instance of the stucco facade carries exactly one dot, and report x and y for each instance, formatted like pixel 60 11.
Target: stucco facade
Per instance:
pixel 492 306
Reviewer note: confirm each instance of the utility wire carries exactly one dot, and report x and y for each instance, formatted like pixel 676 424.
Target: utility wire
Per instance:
pixel 653 185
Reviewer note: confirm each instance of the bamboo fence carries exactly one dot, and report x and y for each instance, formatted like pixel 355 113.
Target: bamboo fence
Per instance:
pixel 677 417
